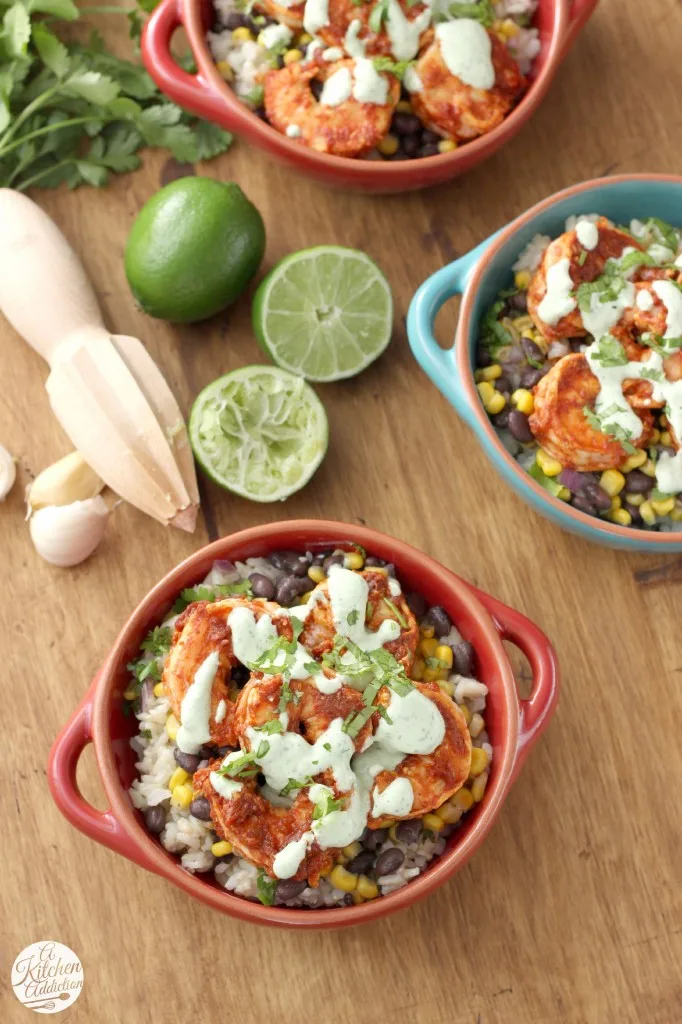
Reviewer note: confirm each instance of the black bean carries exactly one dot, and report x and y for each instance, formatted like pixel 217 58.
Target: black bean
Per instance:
pixel 519 301
pixel 221 751
pixel 361 864
pixel 389 861
pixel 320 558
pixel 533 352
pixel 347 900
pixel 634 512
pixel 240 675
pixel 316 88
pixel 406 124
pixel 291 587
pixel 637 482
pixel 204 763
pixel 262 586
pixel 598 496
pixel 332 560
pixel 200 808
pixel 290 561
pixel 409 145
pixel 576 344
pixel 372 560
pixel 236 20
pixel 430 149
pixel 429 136
pixel 373 838
pixel 190 762
pixel 146 695
pixel 463 658
pixel 409 832
pixel 390 569
pixel 502 385
pixel 483 357
pixel 530 376
pixel 519 426
pixel 260 112
pixel 439 619
pixel 155 819
pixel 583 504
pixel 501 419
pixel 416 603
pixel 288 889
pixel 207 753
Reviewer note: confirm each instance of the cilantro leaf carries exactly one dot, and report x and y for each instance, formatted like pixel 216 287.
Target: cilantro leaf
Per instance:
pixel 482 11
pixel 378 15
pixel 294 784
pixel 656 375
pixel 636 259
pixel 402 621
pixel 266 888
pixel 610 352
pixel 664 231
pixel 16 30
pixel 273 726
pixel 326 806
pixel 582 258
pixel 240 767
pixel 393 67
pixel 548 482
pixel 158 640
pixel 52 52
pixel 495 334
pixel 352 617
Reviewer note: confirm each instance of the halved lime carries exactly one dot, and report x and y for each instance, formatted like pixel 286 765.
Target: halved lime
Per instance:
pixel 324 313
pixel 259 431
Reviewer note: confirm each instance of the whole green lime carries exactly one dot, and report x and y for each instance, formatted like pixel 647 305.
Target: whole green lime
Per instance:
pixel 193 249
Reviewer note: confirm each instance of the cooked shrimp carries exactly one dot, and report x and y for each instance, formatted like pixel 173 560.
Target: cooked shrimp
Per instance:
pixel 584 265
pixel 258 830
pixel 319 630
pixel 349 21
pixel 199 631
pixel 559 424
pixel 291 16
pixel 309 711
pixel 449 106
pixel 434 777
pixel 348 128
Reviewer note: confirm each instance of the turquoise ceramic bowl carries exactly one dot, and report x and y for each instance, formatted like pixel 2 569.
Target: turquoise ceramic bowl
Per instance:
pixel 478 277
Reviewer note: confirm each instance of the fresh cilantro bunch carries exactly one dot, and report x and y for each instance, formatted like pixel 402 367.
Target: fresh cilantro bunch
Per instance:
pixel 73 113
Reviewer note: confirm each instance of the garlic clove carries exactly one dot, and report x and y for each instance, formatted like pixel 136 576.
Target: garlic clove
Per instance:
pixel 8 472
pixel 68 480
pixel 65 535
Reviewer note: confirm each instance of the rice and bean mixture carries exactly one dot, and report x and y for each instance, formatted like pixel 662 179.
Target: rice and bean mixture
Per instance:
pixel 644 489
pixel 382 860
pixel 247 42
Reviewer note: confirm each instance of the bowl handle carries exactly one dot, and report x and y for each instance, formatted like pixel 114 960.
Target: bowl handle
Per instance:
pixel 189 91
pixel 102 826
pixel 581 11
pixel 536 709
pixel 438 363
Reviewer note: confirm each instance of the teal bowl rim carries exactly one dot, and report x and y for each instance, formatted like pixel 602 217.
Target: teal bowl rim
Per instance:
pixel 453 373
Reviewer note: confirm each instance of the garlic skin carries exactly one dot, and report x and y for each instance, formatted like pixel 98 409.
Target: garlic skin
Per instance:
pixel 66 535
pixel 8 472
pixel 68 480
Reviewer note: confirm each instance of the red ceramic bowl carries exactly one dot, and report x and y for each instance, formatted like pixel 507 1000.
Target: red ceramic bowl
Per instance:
pixel 513 724
pixel 207 95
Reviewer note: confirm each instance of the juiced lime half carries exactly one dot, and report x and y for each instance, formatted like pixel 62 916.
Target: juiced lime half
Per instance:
pixel 324 313
pixel 259 431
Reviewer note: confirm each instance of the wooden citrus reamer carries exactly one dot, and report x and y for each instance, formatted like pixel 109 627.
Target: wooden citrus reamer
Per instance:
pixel 105 389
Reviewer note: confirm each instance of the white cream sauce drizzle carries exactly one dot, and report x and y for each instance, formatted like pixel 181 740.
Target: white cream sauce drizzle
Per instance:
pixel 337 88
pixel 396 800
pixel 467 52
pixel 368 85
pixel 353 45
pixel 250 638
pixel 587 233
pixel 348 594
pixel 412 81
pixel 404 32
pixel 223 785
pixel 671 297
pixel 220 711
pixel 558 301
pixel 195 710
pixel 315 15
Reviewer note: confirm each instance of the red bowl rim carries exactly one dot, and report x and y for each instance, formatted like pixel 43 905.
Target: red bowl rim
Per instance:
pixel 464 366
pixel 392 172
pixel 311 532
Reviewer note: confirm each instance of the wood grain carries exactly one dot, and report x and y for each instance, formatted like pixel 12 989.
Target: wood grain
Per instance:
pixel 572 910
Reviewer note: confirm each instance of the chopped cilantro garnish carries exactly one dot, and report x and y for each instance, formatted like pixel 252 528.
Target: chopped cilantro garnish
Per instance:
pixel 656 375
pixel 274 725
pixel 143 669
pixel 610 352
pixel 294 784
pixel 327 746
pixel 266 888
pixel 255 96
pixel 436 663
pixel 239 767
pixel 147 733
pixel 297 626
pixel 636 259
pixel 285 697
pixel 664 232
pixel 598 422
pixel 582 258
pixel 158 640
pixel 393 67
pixel 379 14
pixel 354 722
pixel 384 714
pixel 326 806
pixel 607 287
pixel 396 611
pixel 657 495
pixel 495 334
pixel 214 593
pixel 263 748
pixel 482 11
pixel 312 668
pixel 352 617
pixel 548 482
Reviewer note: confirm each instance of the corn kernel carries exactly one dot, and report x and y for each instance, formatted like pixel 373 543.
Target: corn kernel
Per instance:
pixel 510 28
pixel 130 695
pixel 178 777
pixel 621 516
pixel 647 513
pixel 666 439
pixel 172 726
pixel 357 898
pixel 663 420
pixel 367 888
pixel 352 850
pixel 616 502
pixel 342 879
pixel 404 107
pixel 663 508
pixel 634 499
pixel 548 465
pixel 486 391
pixel 388 146
pixel 292 57
pixel 465 712
pixel 418 667
pixel 341 858
pixel 613 482
pixel 478 787
pixel 353 560
pixel 392 832
pixel 464 798
pixel 479 761
pixel 159 690
pixel 633 461
pixel 427 631
pixel 317 574
pixel 304 39
pixel 444 653
pixel 648 468
pixel 655 436
pixel 431 675
pixel 676 514
pixel 306 597
pixel 225 70
pixel 522 279
pixel 496 404
pixel 488 372
pixel 449 812
pixel 476 725
pixel 428 647
pixel 446 687
pixel 241 35
pixel 523 400
pixel 433 823
pixel 447 146
pixel 221 849
pixel 564 494
pixel 182 796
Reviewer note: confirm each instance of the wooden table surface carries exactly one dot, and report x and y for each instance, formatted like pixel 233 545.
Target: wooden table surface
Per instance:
pixel 571 911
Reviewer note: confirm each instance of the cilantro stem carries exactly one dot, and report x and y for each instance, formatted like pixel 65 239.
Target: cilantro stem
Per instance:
pixel 28 182
pixel 4 150
pixel 37 103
